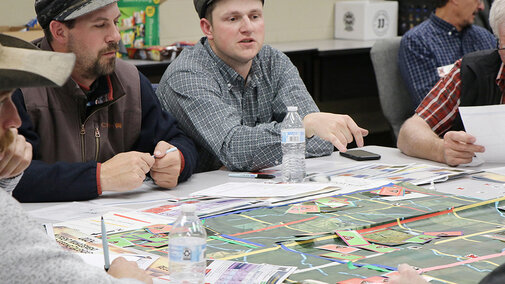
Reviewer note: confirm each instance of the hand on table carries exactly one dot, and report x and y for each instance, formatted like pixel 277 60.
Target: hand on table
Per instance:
pixel 335 128
pixel 167 167
pixel 125 171
pixel 459 148
pixel 407 275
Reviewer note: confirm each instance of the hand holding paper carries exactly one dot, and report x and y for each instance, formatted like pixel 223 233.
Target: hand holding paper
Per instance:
pixel 487 125
pixel 459 148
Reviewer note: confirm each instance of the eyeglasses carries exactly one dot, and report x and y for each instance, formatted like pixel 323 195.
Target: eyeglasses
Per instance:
pixel 498 47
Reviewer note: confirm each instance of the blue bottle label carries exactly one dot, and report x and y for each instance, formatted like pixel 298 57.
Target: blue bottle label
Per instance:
pixel 187 253
pixel 295 135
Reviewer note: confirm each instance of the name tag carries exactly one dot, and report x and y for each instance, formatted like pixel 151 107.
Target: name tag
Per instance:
pixel 444 70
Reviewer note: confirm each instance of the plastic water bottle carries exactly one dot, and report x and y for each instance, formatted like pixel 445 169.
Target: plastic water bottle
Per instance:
pixel 186 248
pixel 293 147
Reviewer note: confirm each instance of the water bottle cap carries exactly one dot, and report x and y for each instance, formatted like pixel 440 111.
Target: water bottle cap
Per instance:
pixel 292 108
pixel 188 208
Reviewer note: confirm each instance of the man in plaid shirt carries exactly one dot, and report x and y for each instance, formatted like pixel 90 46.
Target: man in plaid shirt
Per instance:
pixel 230 93
pixel 443 38
pixel 436 132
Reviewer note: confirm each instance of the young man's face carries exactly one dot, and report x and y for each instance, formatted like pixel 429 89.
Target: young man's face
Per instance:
pixel 94 40
pixel 9 119
pixel 237 30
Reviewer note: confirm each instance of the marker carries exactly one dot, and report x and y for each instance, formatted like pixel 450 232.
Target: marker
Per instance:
pixel 105 247
pixel 249 175
pixel 173 149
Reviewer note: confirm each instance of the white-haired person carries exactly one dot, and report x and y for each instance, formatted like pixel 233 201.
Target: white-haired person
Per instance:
pixel 28 254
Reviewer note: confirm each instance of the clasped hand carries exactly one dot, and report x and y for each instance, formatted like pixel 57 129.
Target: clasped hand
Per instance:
pixel 127 171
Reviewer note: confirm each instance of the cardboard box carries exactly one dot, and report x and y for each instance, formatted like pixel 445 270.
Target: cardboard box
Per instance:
pixel 139 22
pixel 25 35
pixel 366 20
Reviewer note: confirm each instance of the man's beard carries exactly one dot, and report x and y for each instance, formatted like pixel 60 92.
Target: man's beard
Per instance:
pixel 6 140
pixel 105 68
pixel 93 67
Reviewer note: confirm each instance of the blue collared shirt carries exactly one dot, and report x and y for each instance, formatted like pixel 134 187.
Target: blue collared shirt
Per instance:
pixel 435 43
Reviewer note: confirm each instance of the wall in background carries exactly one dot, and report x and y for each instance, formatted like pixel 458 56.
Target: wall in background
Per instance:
pixel 286 20
pixel 16 13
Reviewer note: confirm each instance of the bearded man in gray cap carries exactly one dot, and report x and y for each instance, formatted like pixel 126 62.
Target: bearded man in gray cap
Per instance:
pixel 28 254
pixel 230 93
pixel 104 130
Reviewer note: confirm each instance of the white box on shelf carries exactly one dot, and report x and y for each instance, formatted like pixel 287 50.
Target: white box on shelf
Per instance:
pixel 366 20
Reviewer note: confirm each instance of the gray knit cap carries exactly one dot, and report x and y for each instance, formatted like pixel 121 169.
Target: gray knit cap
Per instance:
pixel 64 10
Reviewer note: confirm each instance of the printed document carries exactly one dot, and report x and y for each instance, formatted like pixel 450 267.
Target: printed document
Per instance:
pixel 487 125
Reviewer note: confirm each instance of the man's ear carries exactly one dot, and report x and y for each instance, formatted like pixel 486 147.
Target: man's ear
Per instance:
pixel 59 32
pixel 206 27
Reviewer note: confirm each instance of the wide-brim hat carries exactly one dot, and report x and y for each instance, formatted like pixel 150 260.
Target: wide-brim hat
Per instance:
pixel 22 65
pixel 201 6
pixel 66 10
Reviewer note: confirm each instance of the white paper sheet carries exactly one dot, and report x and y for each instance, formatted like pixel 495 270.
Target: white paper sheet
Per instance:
pixel 498 170
pixel 224 271
pixel 244 190
pixel 115 222
pixel 487 124
pixel 73 210
pixel 148 192
pixel 142 260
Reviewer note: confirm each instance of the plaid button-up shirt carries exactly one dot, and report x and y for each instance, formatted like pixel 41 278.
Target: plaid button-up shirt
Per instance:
pixel 235 121
pixel 440 107
pixel 435 43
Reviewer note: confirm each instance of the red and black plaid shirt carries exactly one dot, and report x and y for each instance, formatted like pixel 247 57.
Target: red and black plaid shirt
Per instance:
pixel 440 107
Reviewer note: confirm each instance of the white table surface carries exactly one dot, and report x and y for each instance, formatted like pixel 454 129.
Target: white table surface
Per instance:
pixel 463 186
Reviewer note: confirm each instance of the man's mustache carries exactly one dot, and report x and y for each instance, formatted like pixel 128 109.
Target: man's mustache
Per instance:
pixel 113 47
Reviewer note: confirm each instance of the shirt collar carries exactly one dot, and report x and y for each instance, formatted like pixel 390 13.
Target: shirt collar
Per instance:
pixel 445 26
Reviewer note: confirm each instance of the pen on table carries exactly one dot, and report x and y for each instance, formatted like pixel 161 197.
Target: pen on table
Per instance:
pixel 105 246
pixel 250 175
pixel 173 149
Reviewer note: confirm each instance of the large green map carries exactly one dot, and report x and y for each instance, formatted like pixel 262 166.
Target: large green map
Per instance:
pixel 274 231
pixel 283 236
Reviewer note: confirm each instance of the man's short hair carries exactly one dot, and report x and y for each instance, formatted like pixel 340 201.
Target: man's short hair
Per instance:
pixel 47 31
pixel 210 9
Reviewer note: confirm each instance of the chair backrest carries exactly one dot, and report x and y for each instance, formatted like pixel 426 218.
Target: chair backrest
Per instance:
pixel 393 94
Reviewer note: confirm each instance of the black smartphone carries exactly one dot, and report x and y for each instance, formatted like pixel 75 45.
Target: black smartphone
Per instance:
pixel 360 155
